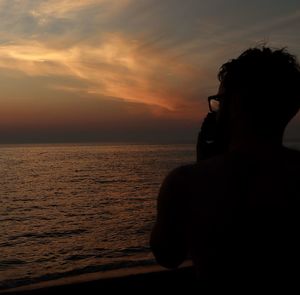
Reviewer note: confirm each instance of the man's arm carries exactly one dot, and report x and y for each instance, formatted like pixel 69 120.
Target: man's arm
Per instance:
pixel 168 237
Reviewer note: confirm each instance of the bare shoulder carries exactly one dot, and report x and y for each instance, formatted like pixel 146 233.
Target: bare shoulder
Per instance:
pixel 176 180
pixel 201 174
pixel 183 174
pixel 180 173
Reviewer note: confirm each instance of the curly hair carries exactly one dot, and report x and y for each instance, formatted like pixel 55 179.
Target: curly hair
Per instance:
pixel 267 82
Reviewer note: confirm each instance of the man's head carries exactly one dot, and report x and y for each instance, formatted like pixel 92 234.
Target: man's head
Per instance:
pixel 263 85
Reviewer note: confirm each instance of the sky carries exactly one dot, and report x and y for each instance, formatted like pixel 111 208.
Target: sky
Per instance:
pixel 126 70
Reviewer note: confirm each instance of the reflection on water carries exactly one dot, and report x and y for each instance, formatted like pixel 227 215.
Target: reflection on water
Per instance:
pixel 70 209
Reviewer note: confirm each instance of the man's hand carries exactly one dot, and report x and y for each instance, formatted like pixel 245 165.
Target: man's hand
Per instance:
pixel 207 144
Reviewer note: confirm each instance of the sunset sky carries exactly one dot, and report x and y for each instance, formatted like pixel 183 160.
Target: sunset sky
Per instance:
pixel 125 70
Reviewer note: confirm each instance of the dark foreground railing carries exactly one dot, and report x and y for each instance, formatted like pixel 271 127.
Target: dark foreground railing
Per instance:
pixel 135 281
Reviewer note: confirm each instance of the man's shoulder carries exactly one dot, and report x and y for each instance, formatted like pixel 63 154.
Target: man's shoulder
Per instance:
pixel 180 173
pixel 200 171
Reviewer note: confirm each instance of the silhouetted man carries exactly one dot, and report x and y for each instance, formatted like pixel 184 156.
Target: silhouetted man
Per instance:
pixel 235 212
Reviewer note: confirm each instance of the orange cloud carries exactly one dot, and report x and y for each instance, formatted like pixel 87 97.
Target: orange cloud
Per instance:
pixel 116 67
pixel 53 9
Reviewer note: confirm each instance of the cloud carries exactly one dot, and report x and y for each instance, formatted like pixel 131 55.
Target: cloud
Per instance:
pixel 116 67
pixel 158 56
pixel 51 10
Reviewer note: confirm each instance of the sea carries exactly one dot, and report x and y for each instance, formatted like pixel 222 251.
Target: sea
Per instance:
pixel 72 209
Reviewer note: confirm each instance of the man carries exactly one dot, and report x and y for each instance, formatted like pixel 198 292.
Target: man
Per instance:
pixel 235 212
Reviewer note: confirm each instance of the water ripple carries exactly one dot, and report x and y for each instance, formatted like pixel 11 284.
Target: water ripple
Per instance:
pixel 50 234
pixel 73 209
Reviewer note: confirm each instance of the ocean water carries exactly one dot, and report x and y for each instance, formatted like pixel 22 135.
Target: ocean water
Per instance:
pixel 72 209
